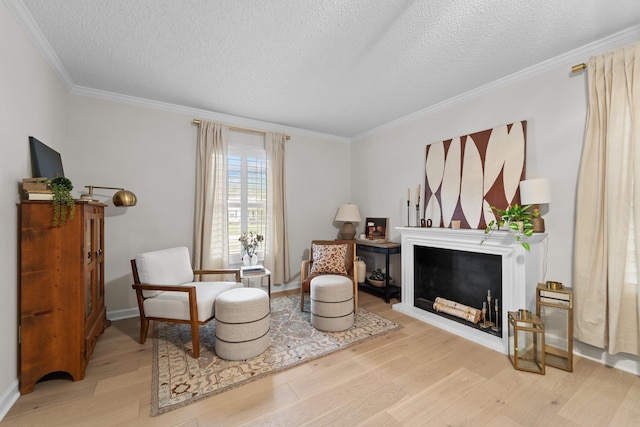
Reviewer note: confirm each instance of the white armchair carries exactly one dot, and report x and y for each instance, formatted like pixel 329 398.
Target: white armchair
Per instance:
pixel 166 290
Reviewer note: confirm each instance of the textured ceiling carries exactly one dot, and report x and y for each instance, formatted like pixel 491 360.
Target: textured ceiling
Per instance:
pixel 338 67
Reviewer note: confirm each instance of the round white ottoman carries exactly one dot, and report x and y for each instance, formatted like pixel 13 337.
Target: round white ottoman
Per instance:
pixel 242 323
pixel 331 303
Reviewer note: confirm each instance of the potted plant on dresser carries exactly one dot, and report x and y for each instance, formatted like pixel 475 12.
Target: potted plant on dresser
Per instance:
pixel 64 206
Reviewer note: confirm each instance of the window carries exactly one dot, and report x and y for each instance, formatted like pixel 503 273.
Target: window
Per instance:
pixel 246 189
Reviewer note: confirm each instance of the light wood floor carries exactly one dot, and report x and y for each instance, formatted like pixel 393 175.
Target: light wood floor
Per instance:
pixel 418 375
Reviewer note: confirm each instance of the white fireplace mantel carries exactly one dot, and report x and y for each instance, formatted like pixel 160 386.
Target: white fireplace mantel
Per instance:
pixel 521 272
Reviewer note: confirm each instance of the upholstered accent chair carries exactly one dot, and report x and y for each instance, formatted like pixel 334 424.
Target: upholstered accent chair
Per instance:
pixel 329 257
pixel 166 290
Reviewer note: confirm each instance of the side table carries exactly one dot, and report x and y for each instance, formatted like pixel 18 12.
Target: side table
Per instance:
pixel 388 248
pixel 257 275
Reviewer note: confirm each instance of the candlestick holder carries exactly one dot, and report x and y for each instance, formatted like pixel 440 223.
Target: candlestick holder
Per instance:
pixel 496 327
pixel 489 323
pixel 483 324
pixel 418 215
pixel 408 212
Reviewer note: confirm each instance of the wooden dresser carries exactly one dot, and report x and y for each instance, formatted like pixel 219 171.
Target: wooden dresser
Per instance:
pixel 61 291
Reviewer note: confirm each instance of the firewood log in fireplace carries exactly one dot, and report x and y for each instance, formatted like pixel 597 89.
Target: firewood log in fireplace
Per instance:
pixel 456 309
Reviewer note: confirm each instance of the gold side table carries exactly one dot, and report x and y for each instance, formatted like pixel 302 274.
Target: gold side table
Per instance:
pixel 554 305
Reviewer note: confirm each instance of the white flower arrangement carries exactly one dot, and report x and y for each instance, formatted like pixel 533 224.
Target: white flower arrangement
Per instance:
pixel 250 242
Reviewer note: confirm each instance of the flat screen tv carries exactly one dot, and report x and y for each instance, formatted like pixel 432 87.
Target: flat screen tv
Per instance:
pixel 45 161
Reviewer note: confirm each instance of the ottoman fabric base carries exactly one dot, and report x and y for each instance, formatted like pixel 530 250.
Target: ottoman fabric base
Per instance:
pixel 242 323
pixel 242 350
pixel 332 324
pixel 332 303
pixel 240 332
pixel 331 309
pixel 331 288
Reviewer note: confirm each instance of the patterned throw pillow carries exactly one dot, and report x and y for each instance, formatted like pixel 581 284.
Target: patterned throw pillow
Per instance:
pixel 329 259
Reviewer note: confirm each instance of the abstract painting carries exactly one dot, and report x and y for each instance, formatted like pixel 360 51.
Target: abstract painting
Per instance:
pixel 466 175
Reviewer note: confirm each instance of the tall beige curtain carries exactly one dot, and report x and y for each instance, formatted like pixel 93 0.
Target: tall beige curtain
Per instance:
pixel 211 246
pixel 276 251
pixel 607 301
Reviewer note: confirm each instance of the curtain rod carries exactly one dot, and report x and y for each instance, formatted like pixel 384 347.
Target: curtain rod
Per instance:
pixel 287 137
pixel 579 67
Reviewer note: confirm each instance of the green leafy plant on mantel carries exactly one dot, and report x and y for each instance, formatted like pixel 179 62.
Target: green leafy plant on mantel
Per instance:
pixel 64 207
pixel 517 219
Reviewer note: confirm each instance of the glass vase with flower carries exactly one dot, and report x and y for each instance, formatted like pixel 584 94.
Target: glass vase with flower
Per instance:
pixel 250 243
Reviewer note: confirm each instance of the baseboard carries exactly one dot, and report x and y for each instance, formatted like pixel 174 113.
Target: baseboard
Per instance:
pixel 276 289
pixel 623 361
pixel 123 314
pixel 8 398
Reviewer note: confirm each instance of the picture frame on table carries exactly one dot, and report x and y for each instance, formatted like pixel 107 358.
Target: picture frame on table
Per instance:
pixel 376 229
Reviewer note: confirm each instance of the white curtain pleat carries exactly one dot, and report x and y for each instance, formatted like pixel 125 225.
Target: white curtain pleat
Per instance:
pixel 606 293
pixel 276 257
pixel 211 223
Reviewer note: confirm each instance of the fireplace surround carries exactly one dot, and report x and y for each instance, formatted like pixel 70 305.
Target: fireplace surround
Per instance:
pixel 520 272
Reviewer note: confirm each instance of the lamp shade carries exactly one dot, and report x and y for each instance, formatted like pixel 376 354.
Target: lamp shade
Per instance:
pixel 348 212
pixel 535 191
pixel 122 197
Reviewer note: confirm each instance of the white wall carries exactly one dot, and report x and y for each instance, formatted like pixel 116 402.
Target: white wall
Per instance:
pixel 152 153
pixel 146 150
pixel 32 102
pixel 554 105
pixel 553 102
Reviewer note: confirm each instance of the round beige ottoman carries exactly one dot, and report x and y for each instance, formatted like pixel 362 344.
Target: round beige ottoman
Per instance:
pixel 331 303
pixel 242 323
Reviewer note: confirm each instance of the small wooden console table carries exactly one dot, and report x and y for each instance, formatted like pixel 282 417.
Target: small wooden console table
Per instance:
pixel 388 248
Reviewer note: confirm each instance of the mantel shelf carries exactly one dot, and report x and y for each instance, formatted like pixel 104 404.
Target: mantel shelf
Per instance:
pixel 502 237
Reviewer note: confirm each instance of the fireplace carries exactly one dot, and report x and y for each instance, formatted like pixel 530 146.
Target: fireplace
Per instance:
pixel 464 277
pixel 456 265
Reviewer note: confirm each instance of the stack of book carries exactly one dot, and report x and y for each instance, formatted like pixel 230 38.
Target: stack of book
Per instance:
pixel 36 189
pixel 252 269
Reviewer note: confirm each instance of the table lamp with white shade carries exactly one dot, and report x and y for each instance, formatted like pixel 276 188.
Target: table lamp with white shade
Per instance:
pixel 348 213
pixel 535 192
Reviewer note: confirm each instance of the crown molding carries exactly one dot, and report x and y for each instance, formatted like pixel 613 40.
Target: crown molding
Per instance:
pixel 22 15
pixel 24 18
pixel 568 59
pixel 202 114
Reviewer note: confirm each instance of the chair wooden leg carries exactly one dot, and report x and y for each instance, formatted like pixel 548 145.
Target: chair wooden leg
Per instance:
pixel 195 339
pixel 144 328
pixel 355 299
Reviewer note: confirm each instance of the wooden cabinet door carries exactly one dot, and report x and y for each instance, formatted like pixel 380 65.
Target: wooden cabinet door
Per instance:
pixel 62 312
pixel 95 311
pixel 51 327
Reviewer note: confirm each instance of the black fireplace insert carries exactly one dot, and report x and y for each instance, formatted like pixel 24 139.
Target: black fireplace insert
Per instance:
pixel 464 277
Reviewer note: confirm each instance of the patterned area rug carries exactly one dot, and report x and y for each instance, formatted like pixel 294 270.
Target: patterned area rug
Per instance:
pixel 179 379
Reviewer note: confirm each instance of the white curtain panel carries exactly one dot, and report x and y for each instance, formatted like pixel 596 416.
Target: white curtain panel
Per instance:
pixel 276 254
pixel 211 243
pixel 607 301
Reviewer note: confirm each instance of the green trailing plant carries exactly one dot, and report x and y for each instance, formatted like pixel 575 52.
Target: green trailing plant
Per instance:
pixel 517 218
pixel 64 207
